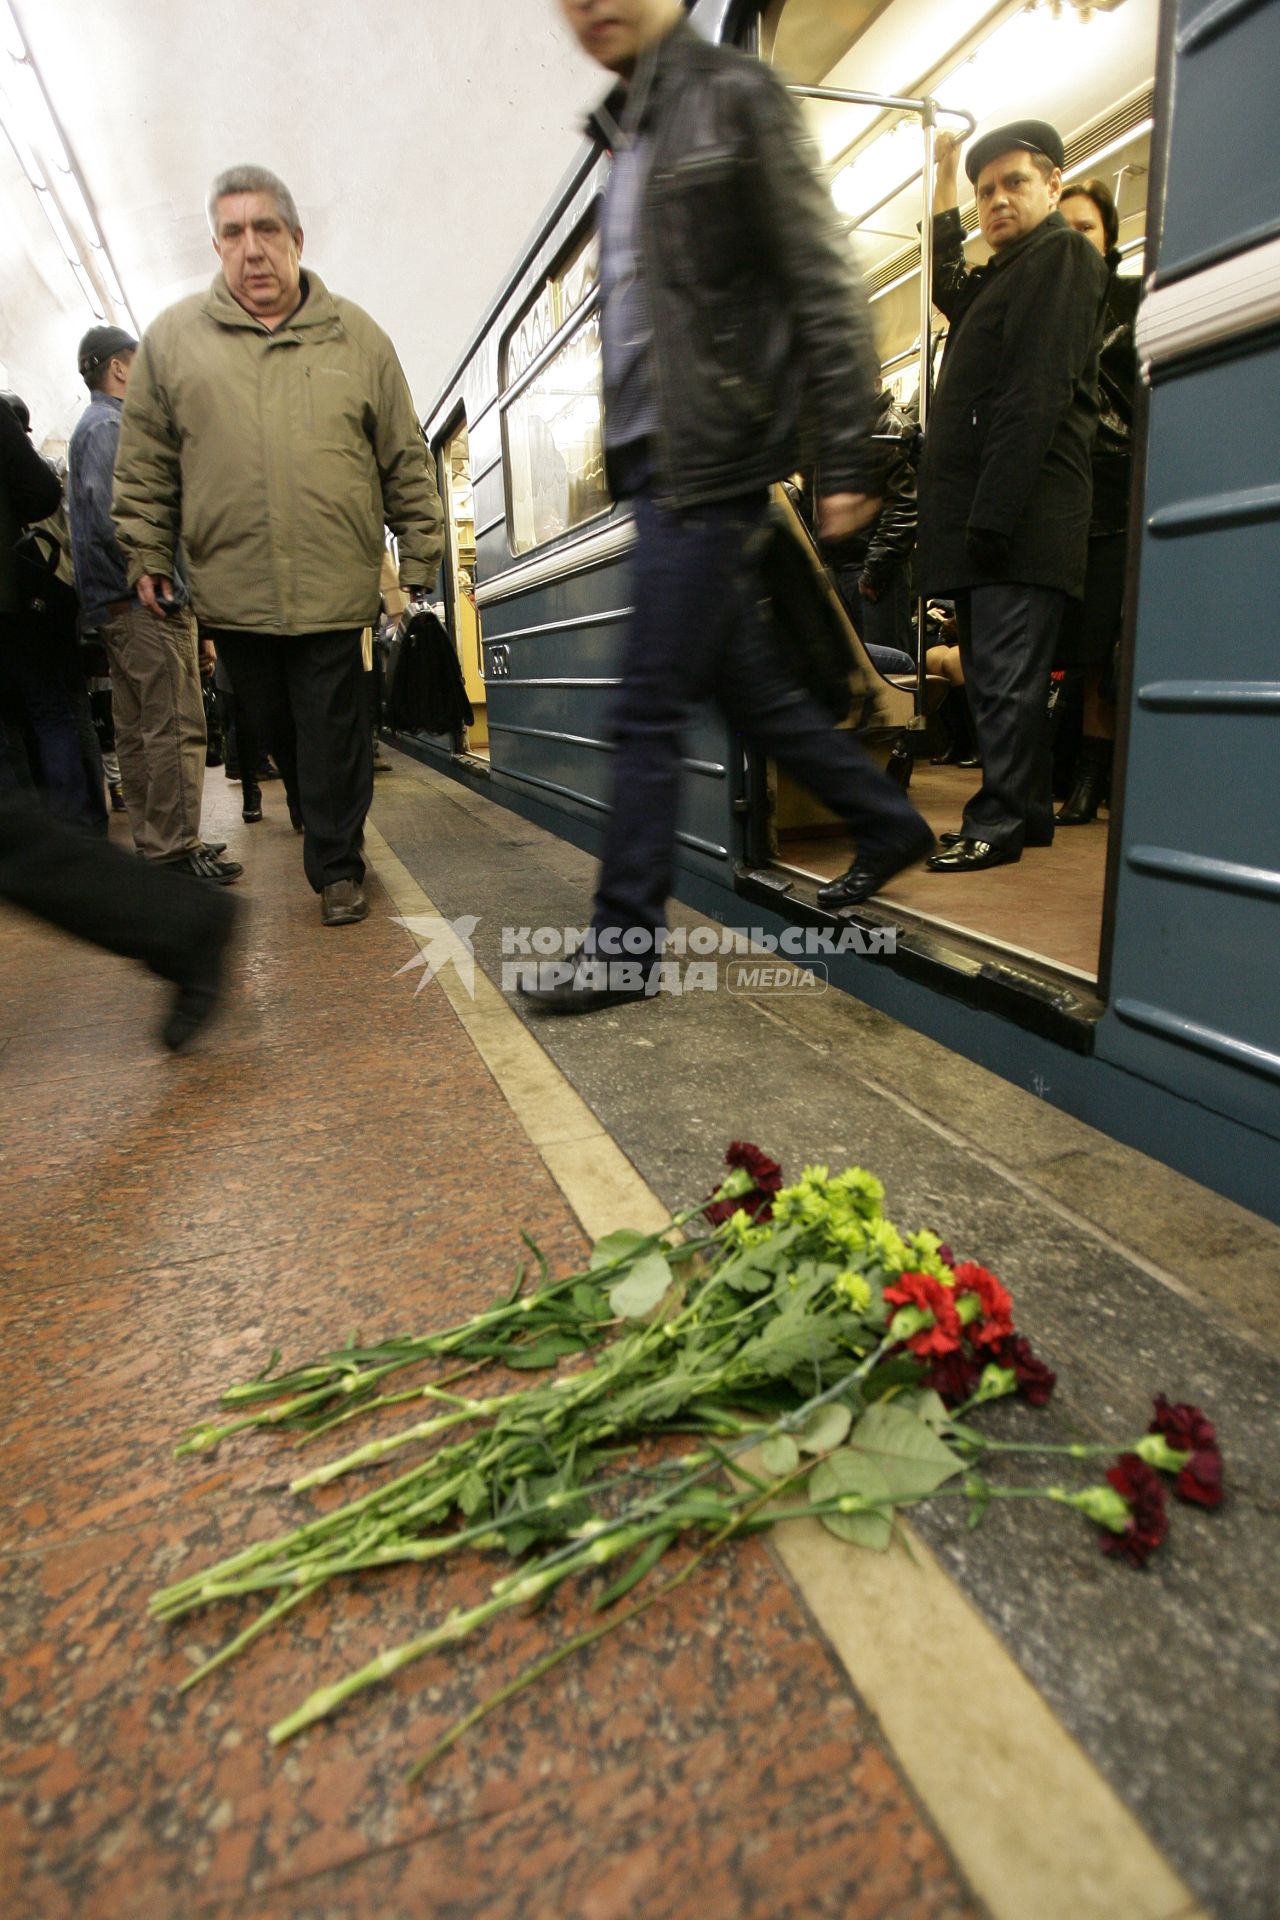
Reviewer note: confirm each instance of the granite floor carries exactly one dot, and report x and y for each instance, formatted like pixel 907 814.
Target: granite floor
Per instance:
pixel 335 1157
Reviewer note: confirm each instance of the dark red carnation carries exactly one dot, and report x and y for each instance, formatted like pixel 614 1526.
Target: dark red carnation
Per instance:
pixel 923 1291
pixel 1139 1486
pixel 946 1256
pixel 996 1323
pixel 1036 1381
pixel 1187 1430
pixel 766 1174
pixel 954 1377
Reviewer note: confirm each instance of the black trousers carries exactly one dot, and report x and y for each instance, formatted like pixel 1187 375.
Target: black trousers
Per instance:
pixel 92 889
pixel 696 634
pixel 304 695
pixel 1008 637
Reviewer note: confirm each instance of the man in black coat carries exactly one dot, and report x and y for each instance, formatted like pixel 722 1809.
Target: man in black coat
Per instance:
pixel 1005 483
pixel 731 321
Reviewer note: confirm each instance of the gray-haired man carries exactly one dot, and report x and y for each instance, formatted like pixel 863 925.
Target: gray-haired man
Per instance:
pixel 269 426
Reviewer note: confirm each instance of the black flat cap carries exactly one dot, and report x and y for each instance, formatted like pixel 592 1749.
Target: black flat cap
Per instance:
pixel 18 408
pixel 1034 136
pixel 101 344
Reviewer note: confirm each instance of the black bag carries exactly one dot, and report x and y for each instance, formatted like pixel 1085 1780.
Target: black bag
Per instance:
pixel 47 604
pixel 427 692
pixel 807 618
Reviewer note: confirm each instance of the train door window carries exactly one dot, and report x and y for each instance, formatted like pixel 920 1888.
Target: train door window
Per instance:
pixel 1089 69
pixel 464 619
pixel 552 401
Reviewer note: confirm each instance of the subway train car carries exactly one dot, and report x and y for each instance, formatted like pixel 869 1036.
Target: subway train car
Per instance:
pixel 1129 972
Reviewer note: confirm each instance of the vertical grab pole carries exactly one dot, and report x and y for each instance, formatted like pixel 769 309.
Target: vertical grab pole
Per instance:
pixel 928 126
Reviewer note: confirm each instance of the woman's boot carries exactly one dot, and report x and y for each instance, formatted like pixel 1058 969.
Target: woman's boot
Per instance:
pixel 1092 783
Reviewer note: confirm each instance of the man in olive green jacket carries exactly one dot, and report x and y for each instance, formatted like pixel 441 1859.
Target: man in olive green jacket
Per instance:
pixel 268 426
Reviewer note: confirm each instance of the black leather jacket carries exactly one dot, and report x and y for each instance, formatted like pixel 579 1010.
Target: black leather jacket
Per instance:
pixel 1117 379
pixel 763 353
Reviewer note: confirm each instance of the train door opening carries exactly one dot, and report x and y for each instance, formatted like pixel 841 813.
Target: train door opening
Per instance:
pixel 464 618
pixel 1089 69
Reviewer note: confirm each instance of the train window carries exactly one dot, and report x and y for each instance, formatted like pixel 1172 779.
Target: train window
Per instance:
pixel 553 406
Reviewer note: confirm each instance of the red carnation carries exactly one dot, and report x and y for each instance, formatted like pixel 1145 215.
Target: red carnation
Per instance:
pixel 954 1377
pixel 1187 1430
pixel 946 1256
pixel 996 1323
pixel 766 1174
pixel 1036 1381
pixel 1140 1488
pixel 930 1296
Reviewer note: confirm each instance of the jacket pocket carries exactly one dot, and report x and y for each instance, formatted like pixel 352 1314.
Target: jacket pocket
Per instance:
pixel 698 204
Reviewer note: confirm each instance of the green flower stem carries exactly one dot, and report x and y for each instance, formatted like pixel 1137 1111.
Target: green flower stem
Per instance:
pixel 588 1638
pixel 264 1620
pixel 1075 1450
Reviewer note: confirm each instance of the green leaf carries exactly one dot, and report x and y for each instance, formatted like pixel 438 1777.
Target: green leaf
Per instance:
pixel 615 1247
pixel 825 1429
pixel 978 1491
pixel 647 1558
pixel 926 1405
pixel 639 1292
pixel 911 1456
pixel 544 1351
pixel 850 1473
pixel 472 1494
pixel 780 1456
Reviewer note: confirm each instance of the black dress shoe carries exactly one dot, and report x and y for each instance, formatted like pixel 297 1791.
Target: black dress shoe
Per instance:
pixel 971 856
pixel 343 902
pixel 251 807
pixel 1033 837
pixel 870 872
pixel 582 985
pixel 199 980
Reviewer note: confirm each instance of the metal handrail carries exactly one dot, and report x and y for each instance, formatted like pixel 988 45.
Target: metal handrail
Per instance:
pixel 927 109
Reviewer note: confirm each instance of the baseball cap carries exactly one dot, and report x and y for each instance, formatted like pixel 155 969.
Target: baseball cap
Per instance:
pixel 100 344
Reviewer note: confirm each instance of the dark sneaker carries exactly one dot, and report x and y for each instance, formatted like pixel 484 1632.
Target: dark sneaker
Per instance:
pixel 204 865
pixel 343 903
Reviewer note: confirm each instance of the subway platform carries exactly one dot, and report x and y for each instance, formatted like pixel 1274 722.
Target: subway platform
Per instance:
pixel 994 1723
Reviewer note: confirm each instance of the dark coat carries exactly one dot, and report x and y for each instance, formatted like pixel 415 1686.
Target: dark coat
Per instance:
pixel 881 550
pixel 1117 380
pixel 1009 438
pixel 763 351
pixel 29 491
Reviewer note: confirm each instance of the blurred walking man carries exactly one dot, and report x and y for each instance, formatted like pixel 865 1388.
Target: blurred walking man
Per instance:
pixel 1005 484
pixel 156 700
pixel 730 314
pixel 269 426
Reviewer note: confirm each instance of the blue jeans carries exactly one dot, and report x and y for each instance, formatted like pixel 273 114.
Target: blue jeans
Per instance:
pixel 696 634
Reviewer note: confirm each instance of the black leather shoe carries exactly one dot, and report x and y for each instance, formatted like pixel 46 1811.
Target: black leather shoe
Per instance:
pixel 583 986
pixel 200 982
pixel 343 903
pixel 1031 838
pixel 869 873
pixel 251 807
pixel 971 856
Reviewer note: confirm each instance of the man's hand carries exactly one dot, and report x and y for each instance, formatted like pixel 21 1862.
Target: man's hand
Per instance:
pixel 946 178
pixel 152 588
pixel 840 514
pixel 208 657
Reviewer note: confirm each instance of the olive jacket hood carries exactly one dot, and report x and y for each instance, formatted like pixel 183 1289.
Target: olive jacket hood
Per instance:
pixel 277 459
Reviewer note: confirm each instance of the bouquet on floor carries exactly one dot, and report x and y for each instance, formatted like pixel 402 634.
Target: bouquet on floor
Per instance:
pixel 822 1363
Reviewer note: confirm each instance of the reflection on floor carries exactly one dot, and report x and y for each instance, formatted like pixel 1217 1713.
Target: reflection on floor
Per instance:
pixel 1049 904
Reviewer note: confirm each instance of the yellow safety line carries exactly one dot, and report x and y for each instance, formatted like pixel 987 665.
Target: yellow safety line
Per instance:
pixel 1030 1821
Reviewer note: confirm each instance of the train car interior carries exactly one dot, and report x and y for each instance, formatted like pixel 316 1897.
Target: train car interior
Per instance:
pixel 1090 70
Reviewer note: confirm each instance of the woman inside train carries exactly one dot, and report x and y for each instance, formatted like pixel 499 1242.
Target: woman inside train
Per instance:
pixel 1092 627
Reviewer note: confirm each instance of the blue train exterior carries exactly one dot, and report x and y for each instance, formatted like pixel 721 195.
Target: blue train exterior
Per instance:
pixel 1178 1051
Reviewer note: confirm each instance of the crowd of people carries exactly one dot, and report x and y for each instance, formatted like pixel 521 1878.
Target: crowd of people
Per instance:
pixel 233 477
